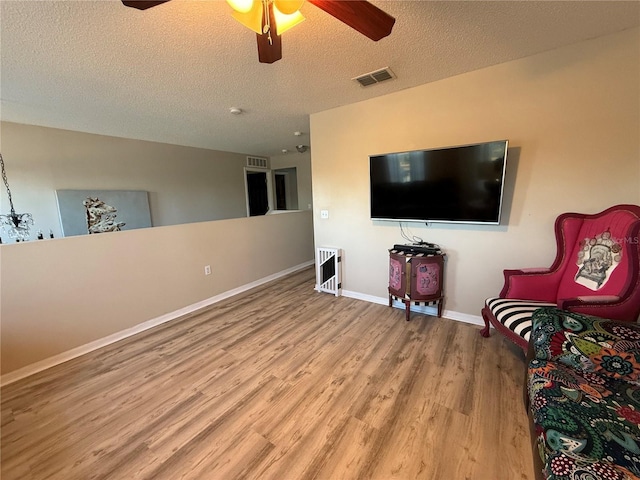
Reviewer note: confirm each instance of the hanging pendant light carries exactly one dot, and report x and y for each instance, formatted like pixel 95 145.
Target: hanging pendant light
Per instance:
pixel 15 224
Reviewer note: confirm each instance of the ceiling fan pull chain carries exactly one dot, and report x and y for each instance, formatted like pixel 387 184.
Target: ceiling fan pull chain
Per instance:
pixel 266 29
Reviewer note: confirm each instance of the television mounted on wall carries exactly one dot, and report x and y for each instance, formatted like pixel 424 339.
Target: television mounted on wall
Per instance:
pixel 461 184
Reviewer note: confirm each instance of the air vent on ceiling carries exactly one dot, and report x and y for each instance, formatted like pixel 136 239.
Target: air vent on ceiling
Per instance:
pixel 372 78
pixel 258 162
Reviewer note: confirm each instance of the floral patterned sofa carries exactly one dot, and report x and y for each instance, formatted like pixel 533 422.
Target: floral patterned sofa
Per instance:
pixel 583 394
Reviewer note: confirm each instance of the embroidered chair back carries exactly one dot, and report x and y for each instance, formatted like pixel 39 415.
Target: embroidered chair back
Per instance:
pixel 599 255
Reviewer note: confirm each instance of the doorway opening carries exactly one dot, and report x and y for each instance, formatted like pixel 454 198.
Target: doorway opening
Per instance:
pixel 258 190
pixel 286 188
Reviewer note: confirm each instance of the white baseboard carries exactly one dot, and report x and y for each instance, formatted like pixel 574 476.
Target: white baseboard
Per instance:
pixel 141 327
pixel 450 314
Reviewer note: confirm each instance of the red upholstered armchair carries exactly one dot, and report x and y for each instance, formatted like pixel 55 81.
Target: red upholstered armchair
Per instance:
pixel 596 272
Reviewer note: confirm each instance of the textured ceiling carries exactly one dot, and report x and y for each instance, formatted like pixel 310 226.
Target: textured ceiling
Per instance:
pixel 171 73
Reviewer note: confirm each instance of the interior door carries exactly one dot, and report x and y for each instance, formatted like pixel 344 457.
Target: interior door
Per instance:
pixel 281 192
pixel 257 193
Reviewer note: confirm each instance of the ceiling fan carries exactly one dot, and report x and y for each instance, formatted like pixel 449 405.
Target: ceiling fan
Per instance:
pixel 270 18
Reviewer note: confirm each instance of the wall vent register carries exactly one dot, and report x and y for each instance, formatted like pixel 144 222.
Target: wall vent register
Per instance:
pixel 258 162
pixel 372 78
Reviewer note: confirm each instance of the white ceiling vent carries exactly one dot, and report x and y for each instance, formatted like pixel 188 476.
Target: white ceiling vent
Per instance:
pixel 258 162
pixel 372 78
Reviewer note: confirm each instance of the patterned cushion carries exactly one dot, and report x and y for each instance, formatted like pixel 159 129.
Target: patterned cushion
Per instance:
pixel 587 425
pixel 587 343
pixel 515 314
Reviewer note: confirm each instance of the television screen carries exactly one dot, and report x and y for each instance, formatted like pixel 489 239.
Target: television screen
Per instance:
pixel 461 184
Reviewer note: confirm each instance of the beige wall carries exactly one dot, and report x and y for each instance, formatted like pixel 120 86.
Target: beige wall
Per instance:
pixel 185 184
pixel 572 118
pixel 60 294
pixel 302 163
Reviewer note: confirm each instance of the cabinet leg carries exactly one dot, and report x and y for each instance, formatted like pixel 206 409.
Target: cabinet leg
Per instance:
pixel 408 309
pixel 390 300
pixel 440 308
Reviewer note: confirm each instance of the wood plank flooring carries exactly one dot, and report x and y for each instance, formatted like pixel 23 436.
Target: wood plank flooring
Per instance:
pixel 284 383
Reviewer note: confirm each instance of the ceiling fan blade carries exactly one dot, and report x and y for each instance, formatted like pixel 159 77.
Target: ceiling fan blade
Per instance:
pixel 360 15
pixel 269 44
pixel 142 4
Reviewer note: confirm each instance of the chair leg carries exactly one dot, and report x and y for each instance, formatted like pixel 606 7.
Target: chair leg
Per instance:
pixel 485 331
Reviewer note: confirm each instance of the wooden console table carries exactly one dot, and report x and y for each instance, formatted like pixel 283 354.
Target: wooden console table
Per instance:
pixel 416 279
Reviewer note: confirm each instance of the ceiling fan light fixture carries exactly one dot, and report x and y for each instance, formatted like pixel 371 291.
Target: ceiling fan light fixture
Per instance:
pixel 251 19
pixel 288 7
pixel 242 6
pixel 284 22
pixel 260 16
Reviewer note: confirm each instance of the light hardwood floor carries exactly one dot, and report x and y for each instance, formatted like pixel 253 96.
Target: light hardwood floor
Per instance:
pixel 284 383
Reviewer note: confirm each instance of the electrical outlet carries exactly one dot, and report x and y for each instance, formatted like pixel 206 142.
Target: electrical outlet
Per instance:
pixel 207 269
pixel 324 213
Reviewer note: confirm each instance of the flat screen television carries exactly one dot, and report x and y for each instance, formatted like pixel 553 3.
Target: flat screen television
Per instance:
pixel 462 184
